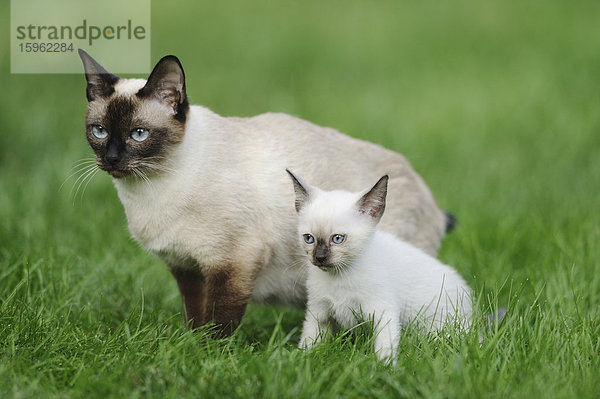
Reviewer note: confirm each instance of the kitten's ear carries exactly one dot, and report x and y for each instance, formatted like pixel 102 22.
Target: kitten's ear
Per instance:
pixel 100 82
pixel 373 202
pixel 166 83
pixel 301 189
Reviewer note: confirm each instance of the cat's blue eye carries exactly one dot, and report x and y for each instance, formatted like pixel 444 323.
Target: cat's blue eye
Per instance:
pixel 338 238
pixel 308 239
pixel 99 132
pixel 140 134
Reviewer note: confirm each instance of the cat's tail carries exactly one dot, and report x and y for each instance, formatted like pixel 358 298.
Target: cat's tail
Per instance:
pixel 450 222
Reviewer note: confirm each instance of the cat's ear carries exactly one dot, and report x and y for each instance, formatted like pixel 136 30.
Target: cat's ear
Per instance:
pixel 166 83
pixel 372 203
pixel 301 189
pixel 100 82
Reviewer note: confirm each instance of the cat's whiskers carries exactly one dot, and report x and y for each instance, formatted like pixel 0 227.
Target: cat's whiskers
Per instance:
pixel 139 173
pixel 146 163
pixel 342 266
pixel 153 166
pixel 160 158
pixel 83 171
pixel 84 161
pixel 88 181
pixel 157 159
pixel 159 166
pixel 87 175
pixel 79 166
pixel 136 173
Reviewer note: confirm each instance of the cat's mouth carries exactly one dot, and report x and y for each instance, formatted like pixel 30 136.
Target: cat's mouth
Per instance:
pixel 118 173
pixel 326 267
pixel 331 266
pixel 115 172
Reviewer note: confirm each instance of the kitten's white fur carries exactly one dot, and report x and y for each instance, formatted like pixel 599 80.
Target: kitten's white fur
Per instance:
pixel 227 198
pixel 377 275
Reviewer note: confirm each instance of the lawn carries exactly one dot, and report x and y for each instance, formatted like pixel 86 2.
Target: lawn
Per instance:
pixel 497 106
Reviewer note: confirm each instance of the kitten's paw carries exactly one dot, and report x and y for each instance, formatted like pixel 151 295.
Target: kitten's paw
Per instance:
pixel 387 357
pixel 386 354
pixel 307 343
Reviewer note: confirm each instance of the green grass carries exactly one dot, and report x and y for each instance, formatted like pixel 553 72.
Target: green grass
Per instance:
pixel 496 104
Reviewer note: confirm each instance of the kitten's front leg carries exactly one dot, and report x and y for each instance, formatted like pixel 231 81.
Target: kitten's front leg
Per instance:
pixel 315 324
pixel 387 335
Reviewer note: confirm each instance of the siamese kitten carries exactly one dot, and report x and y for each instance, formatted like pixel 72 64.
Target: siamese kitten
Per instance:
pixel 357 270
pixel 209 195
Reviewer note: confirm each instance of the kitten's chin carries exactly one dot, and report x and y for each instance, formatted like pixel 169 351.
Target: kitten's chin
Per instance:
pixel 328 268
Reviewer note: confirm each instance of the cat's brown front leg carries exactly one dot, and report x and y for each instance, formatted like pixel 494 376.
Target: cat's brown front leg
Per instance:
pixel 192 286
pixel 220 294
pixel 228 292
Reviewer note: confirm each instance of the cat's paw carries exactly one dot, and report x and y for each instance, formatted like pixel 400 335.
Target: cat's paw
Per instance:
pixel 387 357
pixel 386 354
pixel 307 343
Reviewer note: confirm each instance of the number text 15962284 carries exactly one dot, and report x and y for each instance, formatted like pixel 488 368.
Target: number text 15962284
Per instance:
pixel 50 47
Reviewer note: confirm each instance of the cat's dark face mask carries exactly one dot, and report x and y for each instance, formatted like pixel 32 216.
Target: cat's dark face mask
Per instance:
pixel 132 125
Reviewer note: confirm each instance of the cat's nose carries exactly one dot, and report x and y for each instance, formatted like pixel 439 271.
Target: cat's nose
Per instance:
pixel 321 258
pixel 112 155
pixel 112 158
pixel 321 252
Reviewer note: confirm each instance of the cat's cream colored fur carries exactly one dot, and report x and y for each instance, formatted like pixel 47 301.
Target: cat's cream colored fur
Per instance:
pixel 229 200
pixel 223 208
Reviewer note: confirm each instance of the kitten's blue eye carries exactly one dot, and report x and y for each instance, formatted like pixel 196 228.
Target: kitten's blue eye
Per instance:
pixel 99 132
pixel 338 238
pixel 308 239
pixel 140 134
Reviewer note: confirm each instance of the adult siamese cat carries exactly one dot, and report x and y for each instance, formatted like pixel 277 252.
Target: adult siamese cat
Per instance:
pixel 210 196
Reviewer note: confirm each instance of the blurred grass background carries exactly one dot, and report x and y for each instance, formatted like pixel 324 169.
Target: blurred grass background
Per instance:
pixel 496 105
